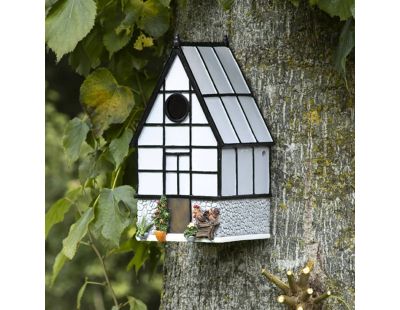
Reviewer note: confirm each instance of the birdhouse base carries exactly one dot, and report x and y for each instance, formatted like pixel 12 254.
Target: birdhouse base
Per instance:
pixel 181 238
pixel 238 219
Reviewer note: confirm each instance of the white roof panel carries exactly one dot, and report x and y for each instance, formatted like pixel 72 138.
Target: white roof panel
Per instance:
pixel 228 98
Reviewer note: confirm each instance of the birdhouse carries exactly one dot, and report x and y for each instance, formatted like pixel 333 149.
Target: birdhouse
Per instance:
pixel 203 152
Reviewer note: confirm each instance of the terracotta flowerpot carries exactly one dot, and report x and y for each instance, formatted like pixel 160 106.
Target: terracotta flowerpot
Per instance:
pixel 161 235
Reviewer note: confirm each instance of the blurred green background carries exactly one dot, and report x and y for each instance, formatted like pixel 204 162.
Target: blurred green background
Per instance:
pixel 62 104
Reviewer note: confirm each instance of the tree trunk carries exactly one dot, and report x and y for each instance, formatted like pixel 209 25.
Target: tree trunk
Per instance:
pixel 286 55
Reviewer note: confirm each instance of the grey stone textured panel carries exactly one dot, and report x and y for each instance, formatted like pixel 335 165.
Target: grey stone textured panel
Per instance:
pixel 241 216
pixel 146 208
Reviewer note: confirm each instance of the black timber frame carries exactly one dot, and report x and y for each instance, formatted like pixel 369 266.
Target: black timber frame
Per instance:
pixel 177 52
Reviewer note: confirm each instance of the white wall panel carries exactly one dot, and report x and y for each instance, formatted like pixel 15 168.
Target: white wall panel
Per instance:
pixel 171 183
pixel 203 136
pixel 261 162
pixel 150 159
pixel 245 171
pixel 204 160
pixel 184 184
pixel 228 166
pixel 177 135
pixel 176 78
pixel 205 184
pixel 150 183
pixel 151 136
pixel 171 162
pixel 198 116
pixel 184 162
pixel 156 114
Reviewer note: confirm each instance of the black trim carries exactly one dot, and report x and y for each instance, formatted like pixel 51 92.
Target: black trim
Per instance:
pixel 175 125
pixel 190 144
pixel 206 197
pixel 269 172
pixel 227 94
pixel 252 95
pixel 254 171
pixel 228 145
pixel 164 156
pixel 177 154
pixel 176 91
pixel 150 104
pixel 200 98
pixel 236 95
pixel 176 171
pixel 237 172
pixel 158 146
pixel 219 170
pixel 216 89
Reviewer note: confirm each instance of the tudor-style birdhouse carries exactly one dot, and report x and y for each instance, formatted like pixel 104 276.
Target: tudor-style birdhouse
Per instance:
pixel 203 151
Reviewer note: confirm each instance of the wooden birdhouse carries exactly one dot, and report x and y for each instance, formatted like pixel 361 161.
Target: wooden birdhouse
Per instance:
pixel 203 151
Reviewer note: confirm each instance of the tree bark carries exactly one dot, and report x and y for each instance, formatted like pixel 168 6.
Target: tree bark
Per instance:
pixel 286 55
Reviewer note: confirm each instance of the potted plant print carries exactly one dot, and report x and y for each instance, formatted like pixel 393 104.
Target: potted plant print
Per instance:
pixel 161 219
pixel 143 229
pixel 190 232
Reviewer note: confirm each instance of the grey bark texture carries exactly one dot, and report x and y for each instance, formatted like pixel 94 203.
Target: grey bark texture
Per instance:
pixel 286 55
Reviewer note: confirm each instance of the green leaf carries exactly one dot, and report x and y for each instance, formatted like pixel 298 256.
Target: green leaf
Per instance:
pixel 106 101
pixel 119 147
pixel 57 211
pixel 95 164
pixel 77 231
pixel 154 16
pixel 136 304
pixel 141 255
pixel 345 46
pixel 118 28
pixel 341 8
pixel 68 22
pixel 295 3
pixel 57 266
pixel 110 220
pixel 87 54
pixel 80 295
pixel 142 41
pixel 74 135
pixel 227 4
pixel 114 41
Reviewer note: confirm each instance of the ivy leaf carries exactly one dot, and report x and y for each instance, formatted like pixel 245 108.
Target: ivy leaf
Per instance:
pixel 227 4
pixel 58 210
pixel 87 54
pixel 77 231
pixel 341 8
pixel 345 46
pixel 119 147
pixel 105 100
pixel 136 304
pixel 80 295
pixel 74 135
pixel 110 220
pixel 68 22
pixel 142 41
pixel 154 16
pixel 57 266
